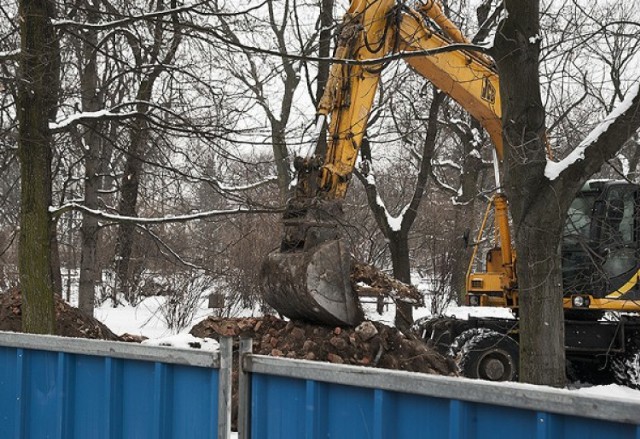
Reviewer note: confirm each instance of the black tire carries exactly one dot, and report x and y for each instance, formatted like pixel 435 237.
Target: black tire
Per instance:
pixel 490 356
pixel 626 366
pixel 463 338
pixel 422 327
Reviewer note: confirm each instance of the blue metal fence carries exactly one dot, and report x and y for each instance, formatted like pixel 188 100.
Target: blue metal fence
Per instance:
pixel 301 399
pixel 53 387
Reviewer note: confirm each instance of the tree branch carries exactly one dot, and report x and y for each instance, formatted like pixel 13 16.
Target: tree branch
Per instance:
pixel 58 211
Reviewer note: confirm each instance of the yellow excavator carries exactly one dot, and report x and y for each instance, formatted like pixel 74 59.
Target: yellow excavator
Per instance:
pixel 307 278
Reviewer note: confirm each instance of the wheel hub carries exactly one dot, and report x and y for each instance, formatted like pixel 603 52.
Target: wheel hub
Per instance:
pixel 494 369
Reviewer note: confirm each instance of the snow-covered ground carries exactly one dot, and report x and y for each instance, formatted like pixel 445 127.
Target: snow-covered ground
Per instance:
pixel 146 320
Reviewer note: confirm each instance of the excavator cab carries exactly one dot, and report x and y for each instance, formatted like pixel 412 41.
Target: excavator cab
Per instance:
pixel 600 248
pixel 600 252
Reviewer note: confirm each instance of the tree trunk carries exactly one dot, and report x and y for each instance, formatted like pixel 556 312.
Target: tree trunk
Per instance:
pixel 461 255
pixel 37 97
pixel 129 201
pixel 139 140
pixel 324 51
pixel 281 157
pixel 536 211
pixel 465 211
pixel 399 249
pixel 89 270
pixel 542 359
pixel 56 274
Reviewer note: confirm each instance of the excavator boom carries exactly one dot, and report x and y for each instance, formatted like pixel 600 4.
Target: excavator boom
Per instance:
pixel 307 278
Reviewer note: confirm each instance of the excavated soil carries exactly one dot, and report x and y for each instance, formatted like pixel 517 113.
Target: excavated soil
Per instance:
pixel 70 321
pixel 370 344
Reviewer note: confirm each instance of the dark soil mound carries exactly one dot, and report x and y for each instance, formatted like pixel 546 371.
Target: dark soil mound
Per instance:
pixel 70 321
pixel 370 344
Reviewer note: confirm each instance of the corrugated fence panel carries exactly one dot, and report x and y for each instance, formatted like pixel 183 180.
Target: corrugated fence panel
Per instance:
pixel 68 388
pixel 56 394
pixel 277 407
pixel 300 399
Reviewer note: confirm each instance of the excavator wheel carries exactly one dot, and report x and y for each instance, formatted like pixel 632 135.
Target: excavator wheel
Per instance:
pixel 461 340
pixel 312 285
pixel 490 356
pixel 597 371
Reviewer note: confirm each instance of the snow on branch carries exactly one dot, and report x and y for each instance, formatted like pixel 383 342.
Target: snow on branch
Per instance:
pixel 245 187
pixel 90 115
pixel 446 164
pixel 394 222
pixel 57 211
pixel 554 169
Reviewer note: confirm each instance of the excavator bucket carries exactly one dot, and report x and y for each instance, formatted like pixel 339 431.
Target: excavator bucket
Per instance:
pixel 312 285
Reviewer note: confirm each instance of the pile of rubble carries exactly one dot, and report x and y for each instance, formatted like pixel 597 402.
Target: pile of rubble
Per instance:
pixel 369 344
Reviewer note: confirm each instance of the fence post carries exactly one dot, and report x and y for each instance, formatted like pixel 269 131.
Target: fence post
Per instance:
pixel 224 388
pixel 244 391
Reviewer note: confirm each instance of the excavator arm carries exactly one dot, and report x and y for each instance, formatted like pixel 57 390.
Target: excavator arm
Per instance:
pixel 375 29
pixel 308 277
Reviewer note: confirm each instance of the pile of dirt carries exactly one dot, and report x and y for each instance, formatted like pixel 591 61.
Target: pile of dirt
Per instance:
pixel 370 344
pixel 70 321
pixel 367 280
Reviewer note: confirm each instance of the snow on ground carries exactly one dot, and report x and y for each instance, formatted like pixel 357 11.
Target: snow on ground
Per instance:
pixel 144 320
pixel 461 312
pixel 611 391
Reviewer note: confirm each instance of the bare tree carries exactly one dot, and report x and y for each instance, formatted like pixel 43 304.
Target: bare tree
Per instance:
pixel 91 139
pixel 36 103
pixel 159 54
pixel 9 165
pixel 257 74
pixel 539 199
